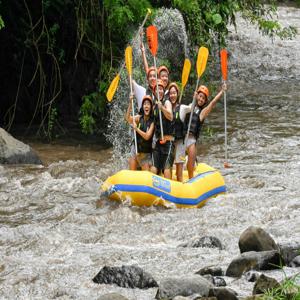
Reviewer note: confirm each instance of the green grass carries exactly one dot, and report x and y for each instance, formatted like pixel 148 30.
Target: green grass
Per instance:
pixel 289 289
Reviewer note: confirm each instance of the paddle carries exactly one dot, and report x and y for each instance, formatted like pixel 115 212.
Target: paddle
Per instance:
pixel 185 75
pixel 201 65
pixel 223 55
pixel 114 84
pixel 128 61
pixel 152 39
pixel 113 87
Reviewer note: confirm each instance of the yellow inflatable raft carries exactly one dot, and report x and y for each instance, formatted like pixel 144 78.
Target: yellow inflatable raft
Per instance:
pixel 143 188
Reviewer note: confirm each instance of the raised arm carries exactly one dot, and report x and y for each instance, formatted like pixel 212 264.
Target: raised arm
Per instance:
pixel 206 111
pixel 143 52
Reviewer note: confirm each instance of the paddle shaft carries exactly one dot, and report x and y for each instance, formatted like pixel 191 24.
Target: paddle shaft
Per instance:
pixel 135 37
pixel 225 123
pixel 133 120
pixel 157 94
pixel 181 93
pixel 191 115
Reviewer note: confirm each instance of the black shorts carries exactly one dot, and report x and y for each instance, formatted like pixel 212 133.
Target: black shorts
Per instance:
pixel 163 155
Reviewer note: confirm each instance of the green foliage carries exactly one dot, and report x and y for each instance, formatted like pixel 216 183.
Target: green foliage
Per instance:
pixel 1 23
pixel 52 119
pixel 92 107
pixel 288 289
pixel 207 21
pixel 63 35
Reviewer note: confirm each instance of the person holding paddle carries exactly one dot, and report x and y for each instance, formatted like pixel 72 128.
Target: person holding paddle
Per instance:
pixel 144 127
pixel 201 111
pixel 140 91
pixel 179 113
pixel 163 152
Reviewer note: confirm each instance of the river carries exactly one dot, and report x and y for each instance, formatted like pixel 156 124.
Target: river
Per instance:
pixel 57 232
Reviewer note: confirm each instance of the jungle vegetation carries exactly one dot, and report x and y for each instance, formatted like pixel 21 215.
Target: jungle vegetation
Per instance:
pixel 58 57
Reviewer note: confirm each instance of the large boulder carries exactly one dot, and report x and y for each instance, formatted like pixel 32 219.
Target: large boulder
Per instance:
pixel 13 151
pixel 125 276
pixel 256 239
pixel 289 251
pixel 265 260
pixel 183 286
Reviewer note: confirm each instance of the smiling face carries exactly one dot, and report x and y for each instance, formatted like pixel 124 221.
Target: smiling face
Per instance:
pixel 201 99
pixel 164 76
pixel 161 92
pixel 173 95
pixel 151 78
pixel 147 106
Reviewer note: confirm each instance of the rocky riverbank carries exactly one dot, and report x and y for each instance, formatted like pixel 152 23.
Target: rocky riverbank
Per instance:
pixel 259 253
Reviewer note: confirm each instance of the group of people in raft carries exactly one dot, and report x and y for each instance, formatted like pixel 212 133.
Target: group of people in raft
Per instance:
pixel 156 155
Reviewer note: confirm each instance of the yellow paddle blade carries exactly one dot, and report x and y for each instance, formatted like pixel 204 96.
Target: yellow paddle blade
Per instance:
pixel 128 59
pixel 185 72
pixel 202 60
pixel 149 11
pixel 112 88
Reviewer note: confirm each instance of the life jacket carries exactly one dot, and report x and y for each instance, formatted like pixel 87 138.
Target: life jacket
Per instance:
pixel 143 145
pixel 179 133
pixel 168 126
pixel 195 123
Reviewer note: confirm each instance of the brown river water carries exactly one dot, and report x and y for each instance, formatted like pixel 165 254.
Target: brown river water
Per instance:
pixel 57 232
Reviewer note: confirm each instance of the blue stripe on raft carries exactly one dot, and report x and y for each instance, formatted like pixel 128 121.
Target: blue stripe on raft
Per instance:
pixel 201 175
pixel 165 196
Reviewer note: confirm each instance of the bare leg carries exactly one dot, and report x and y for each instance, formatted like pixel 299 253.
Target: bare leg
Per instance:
pixel 153 170
pixel 179 171
pixel 145 167
pixel 132 163
pixel 168 173
pixel 191 150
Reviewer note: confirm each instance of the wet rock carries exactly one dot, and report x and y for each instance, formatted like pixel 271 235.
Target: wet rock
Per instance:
pixel 13 151
pixel 252 276
pixel 265 260
pixel 289 251
pixel 295 263
pixel 214 271
pixel 256 239
pixel 183 286
pixel 209 278
pixel 219 281
pixel 112 296
pixel 264 283
pixel 205 242
pixel 223 293
pixel 125 276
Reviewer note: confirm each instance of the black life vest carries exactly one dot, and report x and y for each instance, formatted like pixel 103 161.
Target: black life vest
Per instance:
pixel 143 145
pixel 195 123
pixel 179 133
pixel 168 126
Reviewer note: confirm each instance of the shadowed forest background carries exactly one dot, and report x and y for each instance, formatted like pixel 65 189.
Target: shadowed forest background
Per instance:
pixel 58 57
